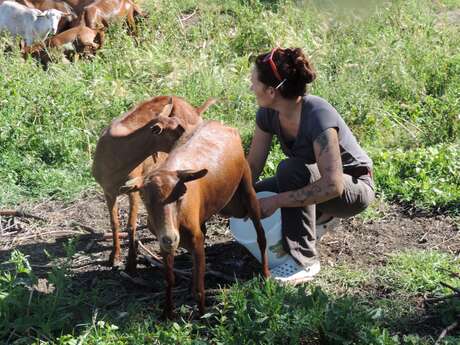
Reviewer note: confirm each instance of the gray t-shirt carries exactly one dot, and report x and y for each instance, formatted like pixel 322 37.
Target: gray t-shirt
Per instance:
pixel 317 115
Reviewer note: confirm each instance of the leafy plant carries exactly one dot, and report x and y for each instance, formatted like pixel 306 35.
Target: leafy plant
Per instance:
pixel 32 305
pixel 427 177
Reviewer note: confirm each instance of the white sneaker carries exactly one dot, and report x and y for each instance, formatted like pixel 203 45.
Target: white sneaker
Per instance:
pixel 291 272
pixel 326 226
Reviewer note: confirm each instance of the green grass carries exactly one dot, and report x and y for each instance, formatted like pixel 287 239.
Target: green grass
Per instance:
pixel 416 272
pixel 346 305
pixel 392 71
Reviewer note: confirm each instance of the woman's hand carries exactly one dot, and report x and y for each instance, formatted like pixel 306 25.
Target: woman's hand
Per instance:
pixel 268 206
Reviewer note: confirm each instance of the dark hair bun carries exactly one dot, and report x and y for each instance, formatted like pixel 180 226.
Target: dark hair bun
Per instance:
pixel 298 68
pixel 293 67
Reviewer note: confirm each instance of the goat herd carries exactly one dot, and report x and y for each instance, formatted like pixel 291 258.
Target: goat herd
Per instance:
pixel 78 25
pixel 186 170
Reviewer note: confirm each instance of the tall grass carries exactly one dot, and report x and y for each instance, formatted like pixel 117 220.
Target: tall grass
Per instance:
pixel 391 69
pixel 345 305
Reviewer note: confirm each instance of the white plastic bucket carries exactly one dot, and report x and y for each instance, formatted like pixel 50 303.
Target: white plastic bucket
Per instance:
pixel 245 233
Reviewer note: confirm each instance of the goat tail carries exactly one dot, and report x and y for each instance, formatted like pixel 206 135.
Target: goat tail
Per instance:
pixel 206 105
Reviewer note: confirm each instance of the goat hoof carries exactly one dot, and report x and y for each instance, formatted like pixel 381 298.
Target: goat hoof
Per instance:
pixel 114 260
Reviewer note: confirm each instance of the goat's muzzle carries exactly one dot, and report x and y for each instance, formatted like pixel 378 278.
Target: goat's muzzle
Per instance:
pixel 169 243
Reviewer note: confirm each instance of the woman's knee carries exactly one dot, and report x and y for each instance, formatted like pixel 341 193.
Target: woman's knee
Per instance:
pixel 292 173
pixel 353 201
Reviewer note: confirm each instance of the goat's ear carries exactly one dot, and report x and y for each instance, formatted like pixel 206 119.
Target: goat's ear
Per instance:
pixel 190 175
pixel 178 192
pixel 132 185
pixel 169 123
pixel 167 109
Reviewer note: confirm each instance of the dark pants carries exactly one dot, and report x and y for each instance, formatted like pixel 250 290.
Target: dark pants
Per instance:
pixel 299 223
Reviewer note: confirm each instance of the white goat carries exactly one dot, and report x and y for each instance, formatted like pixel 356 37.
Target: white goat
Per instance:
pixel 31 24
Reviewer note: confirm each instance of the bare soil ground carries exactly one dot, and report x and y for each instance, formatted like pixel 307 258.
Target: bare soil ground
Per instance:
pixel 356 242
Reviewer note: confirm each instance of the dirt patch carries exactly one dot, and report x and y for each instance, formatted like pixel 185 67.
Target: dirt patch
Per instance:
pixel 369 243
pixel 355 242
pixel 86 221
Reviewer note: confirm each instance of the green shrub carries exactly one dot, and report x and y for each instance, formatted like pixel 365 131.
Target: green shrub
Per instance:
pixel 429 177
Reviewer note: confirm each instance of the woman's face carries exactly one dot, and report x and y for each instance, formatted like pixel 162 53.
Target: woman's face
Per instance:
pixel 264 94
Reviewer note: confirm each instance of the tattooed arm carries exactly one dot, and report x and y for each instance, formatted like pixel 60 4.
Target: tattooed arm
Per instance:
pixel 329 186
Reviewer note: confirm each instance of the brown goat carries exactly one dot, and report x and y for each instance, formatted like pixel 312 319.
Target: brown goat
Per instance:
pixel 130 140
pixel 79 40
pixel 99 13
pixel 217 178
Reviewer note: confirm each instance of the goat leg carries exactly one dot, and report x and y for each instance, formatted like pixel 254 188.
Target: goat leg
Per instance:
pixel 168 311
pixel 199 266
pixel 131 23
pixel 132 224
pixel 115 256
